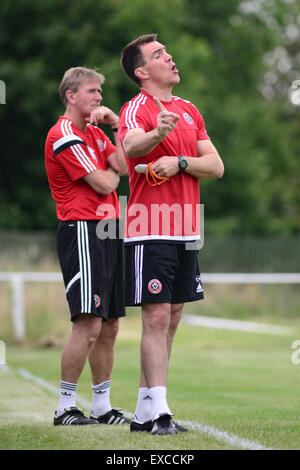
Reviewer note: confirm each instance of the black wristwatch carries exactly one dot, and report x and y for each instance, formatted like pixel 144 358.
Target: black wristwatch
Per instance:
pixel 182 163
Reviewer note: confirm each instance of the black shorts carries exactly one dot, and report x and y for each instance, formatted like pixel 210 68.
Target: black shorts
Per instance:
pixel 162 272
pixel 92 269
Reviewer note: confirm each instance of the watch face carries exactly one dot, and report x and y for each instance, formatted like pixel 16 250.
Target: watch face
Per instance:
pixel 183 164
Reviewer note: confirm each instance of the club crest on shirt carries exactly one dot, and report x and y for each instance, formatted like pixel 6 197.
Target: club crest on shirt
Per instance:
pixel 188 118
pixel 101 144
pixel 154 286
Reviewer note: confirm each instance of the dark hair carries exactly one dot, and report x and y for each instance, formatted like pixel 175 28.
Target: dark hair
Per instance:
pixel 132 57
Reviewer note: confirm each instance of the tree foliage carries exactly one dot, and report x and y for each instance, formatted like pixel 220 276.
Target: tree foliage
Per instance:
pixel 226 54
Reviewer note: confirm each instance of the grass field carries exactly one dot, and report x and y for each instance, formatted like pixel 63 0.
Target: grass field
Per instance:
pixel 234 390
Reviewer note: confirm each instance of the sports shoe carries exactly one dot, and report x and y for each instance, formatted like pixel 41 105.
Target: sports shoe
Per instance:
pixel 72 416
pixel 139 426
pixel 114 416
pixel 163 425
pixel 179 427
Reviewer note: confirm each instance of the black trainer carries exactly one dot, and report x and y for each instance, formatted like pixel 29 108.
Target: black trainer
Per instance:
pixel 114 416
pixel 164 425
pixel 139 426
pixel 179 427
pixel 72 416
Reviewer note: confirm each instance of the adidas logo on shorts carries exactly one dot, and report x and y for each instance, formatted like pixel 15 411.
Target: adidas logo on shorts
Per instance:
pixel 199 287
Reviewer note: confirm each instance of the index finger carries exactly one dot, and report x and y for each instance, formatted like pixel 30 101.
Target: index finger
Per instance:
pixel 159 104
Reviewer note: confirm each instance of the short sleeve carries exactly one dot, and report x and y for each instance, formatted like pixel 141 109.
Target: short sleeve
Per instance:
pixel 201 131
pixel 133 116
pixel 75 156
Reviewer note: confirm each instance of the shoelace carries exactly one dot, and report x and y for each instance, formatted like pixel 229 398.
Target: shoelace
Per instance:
pixel 156 179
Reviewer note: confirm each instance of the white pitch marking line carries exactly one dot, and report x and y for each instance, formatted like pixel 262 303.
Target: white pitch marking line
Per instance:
pixel 231 439
pixel 25 374
pixel 225 324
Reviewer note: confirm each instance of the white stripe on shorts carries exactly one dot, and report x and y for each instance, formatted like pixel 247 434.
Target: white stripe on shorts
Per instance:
pixel 138 257
pixel 84 266
pixel 74 279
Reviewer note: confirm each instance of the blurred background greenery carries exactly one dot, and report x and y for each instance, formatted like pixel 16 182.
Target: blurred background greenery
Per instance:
pixel 237 62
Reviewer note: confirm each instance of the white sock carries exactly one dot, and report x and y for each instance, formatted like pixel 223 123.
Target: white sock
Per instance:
pixel 101 398
pixel 143 411
pixel 67 396
pixel 159 401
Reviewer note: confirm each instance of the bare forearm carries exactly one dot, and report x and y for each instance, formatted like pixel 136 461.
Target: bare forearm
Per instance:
pixel 205 167
pixel 120 166
pixel 117 159
pixel 137 142
pixel 141 143
pixel 113 180
pixel 103 181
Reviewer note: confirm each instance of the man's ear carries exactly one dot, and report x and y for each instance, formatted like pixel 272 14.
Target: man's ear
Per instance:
pixel 70 96
pixel 141 73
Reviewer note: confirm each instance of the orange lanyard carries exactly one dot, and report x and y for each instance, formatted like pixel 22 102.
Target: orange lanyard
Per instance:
pixel 156 179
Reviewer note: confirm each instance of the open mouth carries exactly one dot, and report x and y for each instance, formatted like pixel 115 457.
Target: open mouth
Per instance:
pixel 174 69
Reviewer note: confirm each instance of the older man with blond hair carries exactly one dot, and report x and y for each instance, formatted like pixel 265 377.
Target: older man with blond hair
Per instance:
pixel 83 168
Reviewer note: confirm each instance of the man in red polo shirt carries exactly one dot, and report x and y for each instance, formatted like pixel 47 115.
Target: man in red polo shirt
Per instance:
pixel 166 135
pixel 83 169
